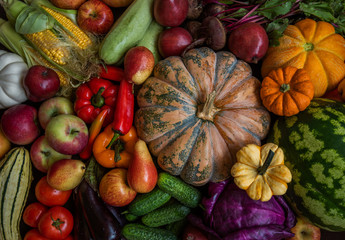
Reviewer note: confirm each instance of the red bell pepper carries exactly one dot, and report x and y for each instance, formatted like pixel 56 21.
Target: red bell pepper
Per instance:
pixel 94 96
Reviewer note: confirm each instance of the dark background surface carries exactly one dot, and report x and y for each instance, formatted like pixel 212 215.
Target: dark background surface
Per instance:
pixel 325 235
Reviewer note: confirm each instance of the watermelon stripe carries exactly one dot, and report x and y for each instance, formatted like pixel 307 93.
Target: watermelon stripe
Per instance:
pixel 312 142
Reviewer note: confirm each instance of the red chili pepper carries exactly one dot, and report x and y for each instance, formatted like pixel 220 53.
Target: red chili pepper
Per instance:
pixel 112 73
pixel 94 96
pixel 124 109
pixel 94 130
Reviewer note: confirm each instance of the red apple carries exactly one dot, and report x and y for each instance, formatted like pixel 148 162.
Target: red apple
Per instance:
pixel 114 189
pixel 67 134
pixel 173 41
pixel 67 4
pixel 41 83
pixel 304 230
pixel 43 156
pixel 170 13
pixel 53 107
pixel 249 42
pixel 19 124
pixel 138 64
pixel 142 173
pixel 95 16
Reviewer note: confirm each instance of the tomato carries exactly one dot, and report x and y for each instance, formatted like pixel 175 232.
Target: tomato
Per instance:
pixel 34 234
pixel 56 223
pixel 49 196
pixel 193 233
pixel 33 212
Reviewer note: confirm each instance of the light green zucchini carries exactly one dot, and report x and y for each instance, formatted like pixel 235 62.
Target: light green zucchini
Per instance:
pixel 150 39
pixel 127 31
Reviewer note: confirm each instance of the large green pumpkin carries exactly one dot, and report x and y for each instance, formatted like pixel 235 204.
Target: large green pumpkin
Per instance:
pixel 314 146
pixel 197 111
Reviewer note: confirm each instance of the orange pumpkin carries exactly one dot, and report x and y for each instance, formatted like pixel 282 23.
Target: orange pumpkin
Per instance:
pixel 196 112
pixel 313 46
pixel 287 91
pixel 341 89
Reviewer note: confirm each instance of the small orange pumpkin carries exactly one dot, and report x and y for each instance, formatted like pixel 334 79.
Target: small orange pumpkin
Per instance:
pixel 287 91
pixel 313 46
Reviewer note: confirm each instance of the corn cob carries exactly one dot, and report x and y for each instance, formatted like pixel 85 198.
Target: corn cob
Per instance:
pixel 79 37
pixel 49 43
pixel 17 44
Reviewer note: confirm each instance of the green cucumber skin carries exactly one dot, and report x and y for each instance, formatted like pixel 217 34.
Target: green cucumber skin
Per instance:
pixel 165 215
pixel 126 32
pixel 148 202
pixel 178 189
pixel 137 231
pixel 150 39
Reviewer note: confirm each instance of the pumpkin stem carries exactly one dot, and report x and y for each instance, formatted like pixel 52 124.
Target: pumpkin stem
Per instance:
pixel 284 87
pixel 308 47
pixel 208 110
pixel 263 168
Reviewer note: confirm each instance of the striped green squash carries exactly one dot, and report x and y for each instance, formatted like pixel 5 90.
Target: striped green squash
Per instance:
pixel 314 146
pixel 15 182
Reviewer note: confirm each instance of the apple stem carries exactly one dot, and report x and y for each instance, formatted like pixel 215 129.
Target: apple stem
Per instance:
pixel 116 136
pixel 97 100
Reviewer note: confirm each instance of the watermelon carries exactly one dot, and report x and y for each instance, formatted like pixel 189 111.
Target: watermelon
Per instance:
pixel 313 142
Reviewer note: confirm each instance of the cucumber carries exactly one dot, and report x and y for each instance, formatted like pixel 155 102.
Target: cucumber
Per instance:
pixel 166 214
pixel 150 39
pixel 15 181
pixel 180 190
pixel 177 227
pixel 137 231
pixel 131 217
pixel 127 31
pixel 148 202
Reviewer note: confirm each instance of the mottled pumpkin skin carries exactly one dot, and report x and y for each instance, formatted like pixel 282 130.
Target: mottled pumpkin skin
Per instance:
pixel 196 112
pixel 313 46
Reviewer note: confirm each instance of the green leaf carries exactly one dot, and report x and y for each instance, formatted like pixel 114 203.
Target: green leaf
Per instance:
pixel 94 173
pixel 275 30
pixel 321 10
pixel 274 8
pixel 32 20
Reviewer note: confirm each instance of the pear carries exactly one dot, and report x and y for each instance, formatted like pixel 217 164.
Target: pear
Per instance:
pixel 66 174
pixel 142 173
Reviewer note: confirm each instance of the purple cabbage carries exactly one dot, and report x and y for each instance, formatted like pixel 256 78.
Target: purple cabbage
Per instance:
pixel 231 214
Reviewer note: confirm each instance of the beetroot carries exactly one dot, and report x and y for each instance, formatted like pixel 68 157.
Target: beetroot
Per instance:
pixel 249 42
pixel 170 13
pixel 173 41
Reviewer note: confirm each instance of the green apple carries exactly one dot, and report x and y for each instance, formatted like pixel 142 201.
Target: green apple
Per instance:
pixel 52 107
pixel 67 134
pixel 43 155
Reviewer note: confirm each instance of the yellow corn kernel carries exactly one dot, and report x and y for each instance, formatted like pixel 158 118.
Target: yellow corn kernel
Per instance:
pixel 48 43
pixel 79 37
